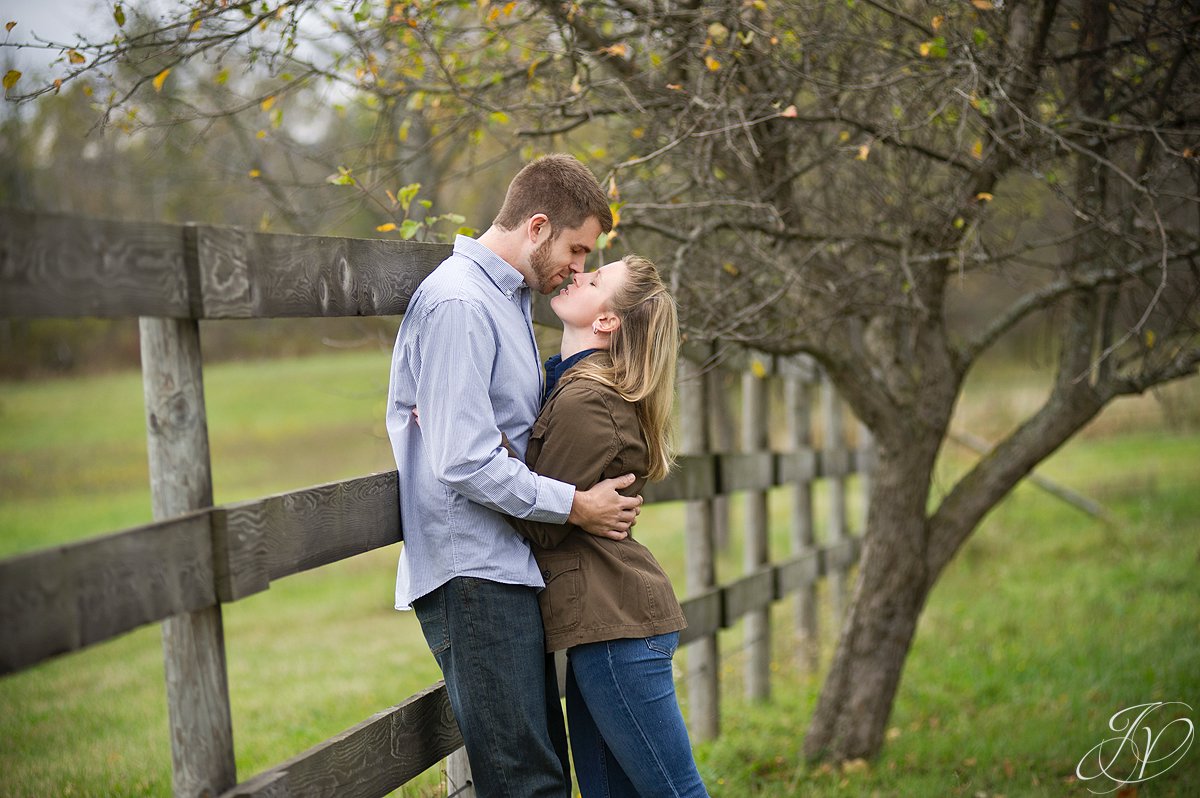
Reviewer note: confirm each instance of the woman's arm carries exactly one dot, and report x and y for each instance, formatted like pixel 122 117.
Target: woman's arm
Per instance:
pixel 579 439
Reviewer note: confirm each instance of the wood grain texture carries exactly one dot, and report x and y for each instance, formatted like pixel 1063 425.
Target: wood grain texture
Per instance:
pixel 259 275
pixel 266 539
pixel 200 720
pixel 60 266
pixel 370 759
pixel 69 597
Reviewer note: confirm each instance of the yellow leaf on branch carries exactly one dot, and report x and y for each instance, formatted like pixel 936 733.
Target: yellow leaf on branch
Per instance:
pixel 267 103
pixel 75 57
pixel 386 228
pixel 977 150
pixel 161 78
pixel 712 63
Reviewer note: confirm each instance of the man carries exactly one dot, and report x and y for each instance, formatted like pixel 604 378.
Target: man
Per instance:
pixel 466 358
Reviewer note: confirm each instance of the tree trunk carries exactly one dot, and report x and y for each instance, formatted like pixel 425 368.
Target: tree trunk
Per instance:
pixel 890 591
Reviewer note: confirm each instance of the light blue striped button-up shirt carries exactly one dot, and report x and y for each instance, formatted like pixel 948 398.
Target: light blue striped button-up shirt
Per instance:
pixel 466 358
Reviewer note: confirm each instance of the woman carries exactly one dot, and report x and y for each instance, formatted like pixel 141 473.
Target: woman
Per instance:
pixel 608 602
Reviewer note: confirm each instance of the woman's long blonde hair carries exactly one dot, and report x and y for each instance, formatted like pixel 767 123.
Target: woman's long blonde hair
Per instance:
pixel 643 351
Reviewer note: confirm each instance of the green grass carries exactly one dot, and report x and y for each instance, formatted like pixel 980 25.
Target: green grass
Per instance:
pixel 1045 624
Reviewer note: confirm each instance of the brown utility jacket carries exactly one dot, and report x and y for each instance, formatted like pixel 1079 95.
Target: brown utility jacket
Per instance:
pixel 596 588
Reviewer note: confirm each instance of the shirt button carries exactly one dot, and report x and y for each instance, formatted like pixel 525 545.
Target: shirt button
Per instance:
pixel 546 573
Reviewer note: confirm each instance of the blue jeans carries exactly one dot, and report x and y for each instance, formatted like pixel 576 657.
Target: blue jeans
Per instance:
pixel 627 733
pixel 487 638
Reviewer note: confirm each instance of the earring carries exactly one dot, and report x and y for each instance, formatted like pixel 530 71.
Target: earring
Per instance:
pixel 595 328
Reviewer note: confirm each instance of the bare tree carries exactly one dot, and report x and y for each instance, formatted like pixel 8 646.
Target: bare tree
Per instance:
pixel 834 178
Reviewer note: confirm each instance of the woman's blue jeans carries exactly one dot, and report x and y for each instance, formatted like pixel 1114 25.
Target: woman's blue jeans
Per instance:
pixel 488 639
pixel 627 733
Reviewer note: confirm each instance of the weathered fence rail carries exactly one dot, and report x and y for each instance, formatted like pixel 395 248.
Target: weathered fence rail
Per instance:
pixel 195 557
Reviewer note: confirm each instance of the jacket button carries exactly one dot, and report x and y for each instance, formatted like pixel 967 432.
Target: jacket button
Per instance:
pixel 546 573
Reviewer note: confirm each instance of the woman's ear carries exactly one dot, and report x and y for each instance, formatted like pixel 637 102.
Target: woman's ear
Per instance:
pixel 607 324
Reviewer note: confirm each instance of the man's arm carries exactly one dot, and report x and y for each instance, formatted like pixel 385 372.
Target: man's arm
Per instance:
pixel 464 442
pixel 455 350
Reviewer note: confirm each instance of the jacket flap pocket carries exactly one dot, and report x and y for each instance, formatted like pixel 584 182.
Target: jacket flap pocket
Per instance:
pixel 556 564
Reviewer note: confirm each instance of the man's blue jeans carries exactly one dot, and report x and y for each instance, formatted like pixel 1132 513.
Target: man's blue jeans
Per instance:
pixel 488 639
pixel 627 733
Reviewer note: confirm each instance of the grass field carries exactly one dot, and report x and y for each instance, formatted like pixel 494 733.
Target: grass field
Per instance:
pixel 1045 625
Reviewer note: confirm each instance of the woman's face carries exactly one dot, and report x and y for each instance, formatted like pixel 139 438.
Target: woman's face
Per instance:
pixel 588 296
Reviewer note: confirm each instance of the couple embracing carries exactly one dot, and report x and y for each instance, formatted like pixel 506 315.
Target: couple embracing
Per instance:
pixel 519 489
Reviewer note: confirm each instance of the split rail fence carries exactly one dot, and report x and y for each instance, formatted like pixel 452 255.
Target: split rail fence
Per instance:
pixel 195 557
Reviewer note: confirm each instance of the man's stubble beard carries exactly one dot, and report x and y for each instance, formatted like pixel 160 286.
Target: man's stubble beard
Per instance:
pixel 541 263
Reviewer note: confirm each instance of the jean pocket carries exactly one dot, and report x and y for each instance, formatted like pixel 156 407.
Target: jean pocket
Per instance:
pixel 431 612
pixel 664 644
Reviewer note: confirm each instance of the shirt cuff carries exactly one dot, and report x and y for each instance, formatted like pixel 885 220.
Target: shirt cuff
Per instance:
pixel 554 501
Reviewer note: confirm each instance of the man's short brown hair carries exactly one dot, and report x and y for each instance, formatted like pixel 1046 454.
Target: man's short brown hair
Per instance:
pixel 559 186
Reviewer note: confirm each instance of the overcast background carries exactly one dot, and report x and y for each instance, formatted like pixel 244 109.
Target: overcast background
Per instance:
pixel 58 21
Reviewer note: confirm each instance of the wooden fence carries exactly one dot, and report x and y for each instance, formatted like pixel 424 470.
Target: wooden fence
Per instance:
pixel 195 557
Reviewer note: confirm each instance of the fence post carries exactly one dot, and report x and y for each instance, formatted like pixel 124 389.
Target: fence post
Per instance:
pixel 703 665
pixel 721 439
pixel 757 625
pixel 458 775
pixel 181 481
pixel 835 477
pixel 799 419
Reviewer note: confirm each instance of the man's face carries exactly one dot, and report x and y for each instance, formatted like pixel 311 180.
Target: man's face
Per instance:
pixel 556 258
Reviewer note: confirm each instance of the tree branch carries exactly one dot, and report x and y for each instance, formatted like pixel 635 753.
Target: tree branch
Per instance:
pixel 1049 294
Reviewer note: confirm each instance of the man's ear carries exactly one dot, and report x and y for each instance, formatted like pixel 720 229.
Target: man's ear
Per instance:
pixel 537 227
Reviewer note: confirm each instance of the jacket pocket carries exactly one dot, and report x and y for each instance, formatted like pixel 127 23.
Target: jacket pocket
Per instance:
pixel 562 600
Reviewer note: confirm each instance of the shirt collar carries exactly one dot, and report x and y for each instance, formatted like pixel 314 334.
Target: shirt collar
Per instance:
pixel 556 367
pixel 498 270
